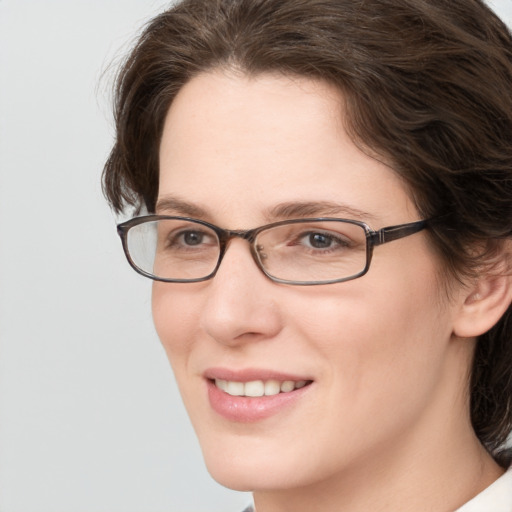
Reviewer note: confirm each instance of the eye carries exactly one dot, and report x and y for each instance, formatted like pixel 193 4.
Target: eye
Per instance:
pixel 320 240
pixel 189 239
pixel 192 237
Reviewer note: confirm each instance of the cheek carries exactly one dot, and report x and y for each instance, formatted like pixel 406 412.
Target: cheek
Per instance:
pixel 383 338
pixel 175 315
pixel 372 313
pixel 176 318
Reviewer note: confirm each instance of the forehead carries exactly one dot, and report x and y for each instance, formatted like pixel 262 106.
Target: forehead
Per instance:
pixel 248 112
pixel 236 143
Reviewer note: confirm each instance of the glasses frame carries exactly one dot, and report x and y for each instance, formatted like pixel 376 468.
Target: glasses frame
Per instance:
pixel 373 239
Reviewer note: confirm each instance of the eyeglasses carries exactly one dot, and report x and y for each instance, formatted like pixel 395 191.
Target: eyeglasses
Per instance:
pixel 298 252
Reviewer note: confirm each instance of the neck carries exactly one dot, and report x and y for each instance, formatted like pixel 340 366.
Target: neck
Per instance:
pixel 429 480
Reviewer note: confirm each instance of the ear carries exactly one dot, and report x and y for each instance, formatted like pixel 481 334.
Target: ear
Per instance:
pixel 484 303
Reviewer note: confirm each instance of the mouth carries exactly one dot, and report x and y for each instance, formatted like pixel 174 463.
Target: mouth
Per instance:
pixel 259 388
pixel 254 395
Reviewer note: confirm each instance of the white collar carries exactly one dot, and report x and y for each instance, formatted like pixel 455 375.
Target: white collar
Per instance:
pixel 496 498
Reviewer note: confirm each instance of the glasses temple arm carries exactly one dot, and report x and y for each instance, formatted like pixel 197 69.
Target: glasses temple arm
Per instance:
pixel 391 233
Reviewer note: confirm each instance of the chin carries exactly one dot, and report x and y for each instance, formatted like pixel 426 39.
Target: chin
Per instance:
pixel 255 464
pixel 247 476
pixel 233 478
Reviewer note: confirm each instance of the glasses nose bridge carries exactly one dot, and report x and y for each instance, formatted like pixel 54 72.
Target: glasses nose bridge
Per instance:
pixel 226 235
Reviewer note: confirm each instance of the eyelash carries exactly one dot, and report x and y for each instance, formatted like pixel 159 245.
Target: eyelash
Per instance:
pixel 340 243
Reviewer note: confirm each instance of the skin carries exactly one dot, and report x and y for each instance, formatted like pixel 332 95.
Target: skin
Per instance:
pixel 385 424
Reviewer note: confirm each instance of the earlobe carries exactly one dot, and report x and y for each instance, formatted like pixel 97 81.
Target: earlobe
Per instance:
pixel 484 304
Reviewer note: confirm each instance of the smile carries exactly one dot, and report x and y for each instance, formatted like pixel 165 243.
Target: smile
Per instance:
pixel 259 388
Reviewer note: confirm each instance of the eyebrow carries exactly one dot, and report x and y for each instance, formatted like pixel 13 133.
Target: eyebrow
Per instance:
pixel 288 210
pixel 176 206
pixel 298 209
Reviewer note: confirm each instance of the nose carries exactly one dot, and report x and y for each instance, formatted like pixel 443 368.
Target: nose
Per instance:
pixel 240 304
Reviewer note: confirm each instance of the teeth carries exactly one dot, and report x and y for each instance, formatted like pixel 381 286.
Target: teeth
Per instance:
pixel 287 386
pixel 257 388
pixel 272 387
pixel 254 388
pixel 221 384
pixel 235 388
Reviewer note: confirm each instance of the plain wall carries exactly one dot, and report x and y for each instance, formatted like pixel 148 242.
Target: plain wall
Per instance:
pixel 90 417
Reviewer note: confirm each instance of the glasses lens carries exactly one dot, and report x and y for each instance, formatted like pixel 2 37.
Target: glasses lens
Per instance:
pixel 313 251
pixel 173 249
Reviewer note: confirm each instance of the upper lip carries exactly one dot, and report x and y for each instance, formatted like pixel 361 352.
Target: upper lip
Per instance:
pixel 251 374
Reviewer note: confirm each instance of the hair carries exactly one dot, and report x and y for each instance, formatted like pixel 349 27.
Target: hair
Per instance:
pixel 427 86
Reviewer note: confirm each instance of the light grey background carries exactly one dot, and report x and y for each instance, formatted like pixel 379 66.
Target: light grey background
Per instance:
pixel 90 418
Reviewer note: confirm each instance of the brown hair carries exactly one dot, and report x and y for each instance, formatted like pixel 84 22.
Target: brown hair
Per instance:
pixel 427 85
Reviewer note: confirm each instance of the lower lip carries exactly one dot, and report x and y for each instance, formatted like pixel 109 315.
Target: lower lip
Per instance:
pixel 244 409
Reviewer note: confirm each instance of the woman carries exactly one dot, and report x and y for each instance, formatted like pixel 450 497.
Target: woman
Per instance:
pixel 264 138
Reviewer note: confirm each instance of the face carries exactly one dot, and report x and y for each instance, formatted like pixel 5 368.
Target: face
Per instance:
pixel 374 353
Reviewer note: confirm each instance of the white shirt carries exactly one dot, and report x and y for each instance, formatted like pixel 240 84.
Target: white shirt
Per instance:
pixel 496 498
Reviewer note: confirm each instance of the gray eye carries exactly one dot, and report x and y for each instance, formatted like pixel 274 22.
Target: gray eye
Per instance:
pixel 320 241
pixel 193 237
